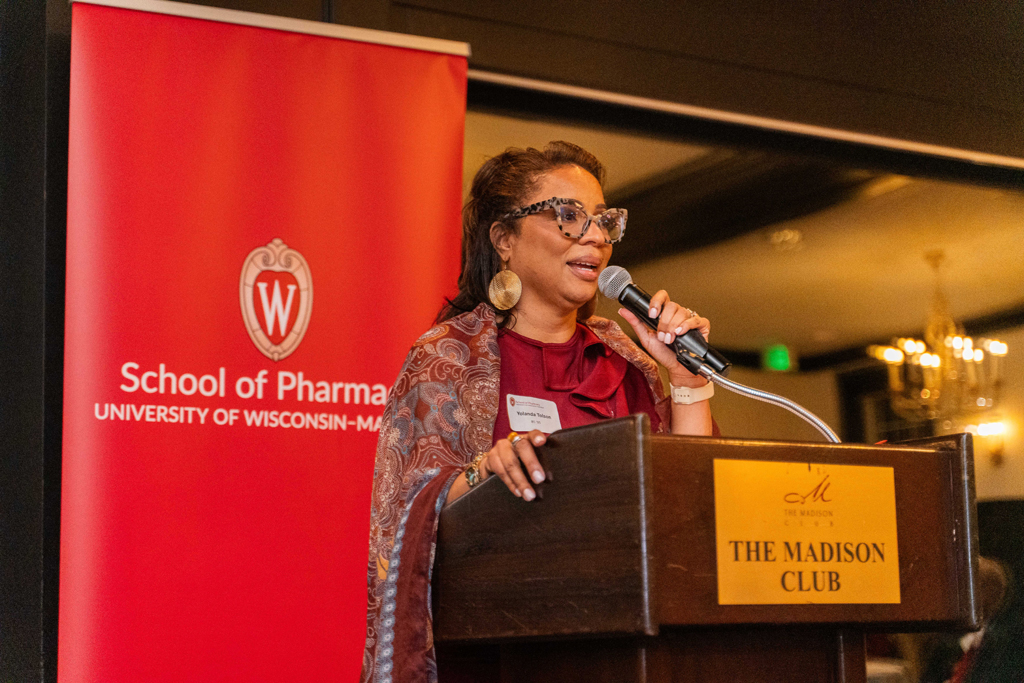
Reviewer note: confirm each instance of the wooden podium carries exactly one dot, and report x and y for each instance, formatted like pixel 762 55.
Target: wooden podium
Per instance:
pixel 611 574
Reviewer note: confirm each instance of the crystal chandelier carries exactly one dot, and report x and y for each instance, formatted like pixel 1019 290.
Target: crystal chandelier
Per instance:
pixel 946 374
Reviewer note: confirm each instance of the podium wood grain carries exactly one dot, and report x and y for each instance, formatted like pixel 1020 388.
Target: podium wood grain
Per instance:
pixel 575 561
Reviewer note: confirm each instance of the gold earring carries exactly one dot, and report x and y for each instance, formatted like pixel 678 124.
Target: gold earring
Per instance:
pixel 505 289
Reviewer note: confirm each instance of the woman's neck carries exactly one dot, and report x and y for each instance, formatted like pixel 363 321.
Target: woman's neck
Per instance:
pixel 543 323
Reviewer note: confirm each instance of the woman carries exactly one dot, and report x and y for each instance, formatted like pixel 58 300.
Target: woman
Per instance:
pixel 536 235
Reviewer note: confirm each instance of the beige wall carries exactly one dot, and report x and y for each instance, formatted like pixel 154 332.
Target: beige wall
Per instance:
pixel 746 418
pixel 1006 480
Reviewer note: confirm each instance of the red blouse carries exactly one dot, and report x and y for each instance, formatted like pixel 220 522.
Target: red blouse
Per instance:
pixel 585 379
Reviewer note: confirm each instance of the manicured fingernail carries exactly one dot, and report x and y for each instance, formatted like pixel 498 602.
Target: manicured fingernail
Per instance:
pixel 661 337
pixel 518 493
pixel 528 495
pixel 653 312
pixel 538 476
pixel 668 337
pixel 679 330
pixel 538 440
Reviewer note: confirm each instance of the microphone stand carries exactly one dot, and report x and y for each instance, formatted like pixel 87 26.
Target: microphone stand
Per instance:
pixel 767 397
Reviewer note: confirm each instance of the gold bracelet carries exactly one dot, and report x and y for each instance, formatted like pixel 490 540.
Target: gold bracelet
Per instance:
pixel 473 471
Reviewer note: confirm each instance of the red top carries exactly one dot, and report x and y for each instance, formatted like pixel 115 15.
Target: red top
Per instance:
pixel 583 377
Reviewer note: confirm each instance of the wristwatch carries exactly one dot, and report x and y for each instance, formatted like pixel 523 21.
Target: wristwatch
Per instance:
pixel 473 471
pixel 689 395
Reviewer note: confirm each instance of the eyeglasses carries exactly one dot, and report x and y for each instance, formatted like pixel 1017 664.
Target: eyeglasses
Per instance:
pixel 573 219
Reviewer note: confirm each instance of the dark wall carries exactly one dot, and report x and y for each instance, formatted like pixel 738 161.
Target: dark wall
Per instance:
pixel 34 57
pixel 942 72
pixel 313 10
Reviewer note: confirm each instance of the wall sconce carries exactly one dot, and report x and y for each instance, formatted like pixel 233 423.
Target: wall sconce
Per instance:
pixel 992 435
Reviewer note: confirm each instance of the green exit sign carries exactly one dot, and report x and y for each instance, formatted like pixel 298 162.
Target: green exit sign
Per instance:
pixel 777 358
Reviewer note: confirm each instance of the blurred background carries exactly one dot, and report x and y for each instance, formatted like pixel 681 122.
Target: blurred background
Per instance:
pixel 812 260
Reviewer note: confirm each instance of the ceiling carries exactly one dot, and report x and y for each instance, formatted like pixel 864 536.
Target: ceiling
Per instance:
pixel 852 267
pixel 628 158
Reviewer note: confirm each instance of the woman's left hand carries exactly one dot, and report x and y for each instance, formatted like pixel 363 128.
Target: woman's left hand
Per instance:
pixel 675 321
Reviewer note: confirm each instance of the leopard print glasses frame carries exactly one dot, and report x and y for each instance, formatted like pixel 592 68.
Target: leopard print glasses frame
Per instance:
pixel 573 219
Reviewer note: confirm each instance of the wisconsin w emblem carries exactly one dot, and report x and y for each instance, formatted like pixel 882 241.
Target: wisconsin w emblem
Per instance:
pixel 276 293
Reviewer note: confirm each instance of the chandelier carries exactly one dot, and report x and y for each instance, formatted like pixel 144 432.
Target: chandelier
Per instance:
pixel 947 374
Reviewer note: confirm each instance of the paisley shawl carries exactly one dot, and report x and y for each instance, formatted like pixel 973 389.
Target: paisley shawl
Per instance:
pixel 438 417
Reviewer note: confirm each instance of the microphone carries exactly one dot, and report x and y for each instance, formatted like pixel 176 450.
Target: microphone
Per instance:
pixel 691 349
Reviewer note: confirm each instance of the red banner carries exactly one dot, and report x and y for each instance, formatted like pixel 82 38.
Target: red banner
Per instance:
pixel 260 222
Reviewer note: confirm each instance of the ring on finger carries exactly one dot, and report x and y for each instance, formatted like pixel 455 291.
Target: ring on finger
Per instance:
pixel 694 314
pixel 514 438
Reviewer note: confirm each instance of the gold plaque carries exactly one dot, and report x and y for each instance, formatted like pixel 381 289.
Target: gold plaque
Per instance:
pixel 796 533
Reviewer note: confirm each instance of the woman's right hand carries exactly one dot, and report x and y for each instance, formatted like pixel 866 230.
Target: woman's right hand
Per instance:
pixel 507 461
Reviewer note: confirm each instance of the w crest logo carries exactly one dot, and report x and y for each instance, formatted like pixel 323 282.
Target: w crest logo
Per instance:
pixel 276 292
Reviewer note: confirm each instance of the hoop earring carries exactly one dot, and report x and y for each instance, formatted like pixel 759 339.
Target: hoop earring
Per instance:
pixel 505 289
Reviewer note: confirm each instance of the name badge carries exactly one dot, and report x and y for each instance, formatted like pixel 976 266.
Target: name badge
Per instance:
pixel 526 413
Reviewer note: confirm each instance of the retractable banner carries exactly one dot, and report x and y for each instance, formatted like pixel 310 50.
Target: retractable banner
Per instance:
pixel 260 223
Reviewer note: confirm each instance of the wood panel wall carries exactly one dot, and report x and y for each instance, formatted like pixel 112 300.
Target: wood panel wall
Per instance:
pixel 943 73
pixel 940 73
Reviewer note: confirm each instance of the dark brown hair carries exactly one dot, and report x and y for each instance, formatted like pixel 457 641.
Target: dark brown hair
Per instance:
pixel 502 185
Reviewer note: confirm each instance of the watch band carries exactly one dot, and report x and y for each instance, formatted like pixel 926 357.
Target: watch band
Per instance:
pixel 689 395
pixel 473 471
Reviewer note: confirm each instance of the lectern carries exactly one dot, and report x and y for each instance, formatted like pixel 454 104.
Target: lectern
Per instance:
pixel 624 571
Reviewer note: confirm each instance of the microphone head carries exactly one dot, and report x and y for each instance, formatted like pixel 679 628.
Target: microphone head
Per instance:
pixel 613 280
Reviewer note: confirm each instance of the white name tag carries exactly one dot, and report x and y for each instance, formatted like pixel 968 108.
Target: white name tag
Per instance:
pixel 526 413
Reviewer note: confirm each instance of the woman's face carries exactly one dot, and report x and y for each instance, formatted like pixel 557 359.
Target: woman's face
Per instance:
pixel 556 270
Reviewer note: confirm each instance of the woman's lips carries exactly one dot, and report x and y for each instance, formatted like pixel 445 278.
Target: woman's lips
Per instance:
pixel 583 270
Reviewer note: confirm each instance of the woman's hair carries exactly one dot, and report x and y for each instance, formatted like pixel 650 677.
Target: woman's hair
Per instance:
pixel 502 185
